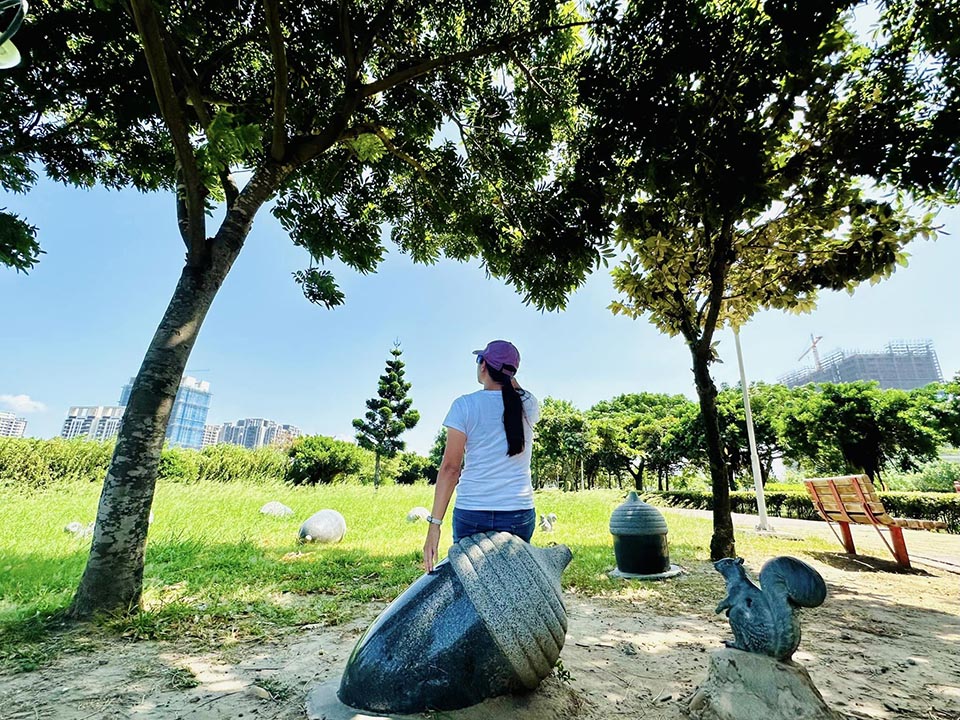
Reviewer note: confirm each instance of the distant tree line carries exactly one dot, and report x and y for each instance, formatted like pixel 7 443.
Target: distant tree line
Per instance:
pixel 645 440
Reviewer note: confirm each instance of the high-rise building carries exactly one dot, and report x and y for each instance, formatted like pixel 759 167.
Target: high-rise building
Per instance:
pixel 253 433
pixel 211 434
pixel 903 365
pixel 189 414
pixel 97 422
pixel 11 426
pixel 285 434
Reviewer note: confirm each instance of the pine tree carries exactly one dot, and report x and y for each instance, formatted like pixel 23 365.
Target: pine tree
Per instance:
pixel 388 415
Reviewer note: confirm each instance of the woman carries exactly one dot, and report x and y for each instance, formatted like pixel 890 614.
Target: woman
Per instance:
pixel 489 434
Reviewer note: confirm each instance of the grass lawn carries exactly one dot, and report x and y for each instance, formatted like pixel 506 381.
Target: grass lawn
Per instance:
pixel 219 572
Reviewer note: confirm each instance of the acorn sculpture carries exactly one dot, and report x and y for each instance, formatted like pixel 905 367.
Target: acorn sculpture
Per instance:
pixel 488 621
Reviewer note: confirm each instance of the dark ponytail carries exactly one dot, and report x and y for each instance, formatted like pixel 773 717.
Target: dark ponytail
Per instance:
pixel 512 410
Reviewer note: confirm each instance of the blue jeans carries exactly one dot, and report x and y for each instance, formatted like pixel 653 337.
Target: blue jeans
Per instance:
pixel 516 522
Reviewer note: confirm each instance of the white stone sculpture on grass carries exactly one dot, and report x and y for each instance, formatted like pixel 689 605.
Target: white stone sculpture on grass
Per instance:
pixel 417 514
pixel 277 509
pixel 325 526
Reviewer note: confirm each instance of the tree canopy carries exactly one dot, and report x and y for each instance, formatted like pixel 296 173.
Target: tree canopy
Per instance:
pixel 437 119
pixel 716 141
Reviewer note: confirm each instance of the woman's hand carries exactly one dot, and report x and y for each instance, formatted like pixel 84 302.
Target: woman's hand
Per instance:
pixel 430 548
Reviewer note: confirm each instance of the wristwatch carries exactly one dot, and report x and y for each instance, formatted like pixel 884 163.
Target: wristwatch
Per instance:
pixel 434 521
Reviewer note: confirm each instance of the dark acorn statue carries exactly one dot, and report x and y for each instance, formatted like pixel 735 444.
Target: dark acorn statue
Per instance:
pixel 766 619
pixel 640 541
pixel 488 621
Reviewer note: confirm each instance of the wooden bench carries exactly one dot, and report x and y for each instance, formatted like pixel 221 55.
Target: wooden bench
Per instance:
pixel 853 499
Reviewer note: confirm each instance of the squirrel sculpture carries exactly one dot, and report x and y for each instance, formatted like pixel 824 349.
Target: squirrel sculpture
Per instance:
pixel 766 619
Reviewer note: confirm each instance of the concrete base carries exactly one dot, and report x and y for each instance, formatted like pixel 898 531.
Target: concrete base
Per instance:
pixel 672 572
pixel 749 686
pixel 322 704
pixel 553 701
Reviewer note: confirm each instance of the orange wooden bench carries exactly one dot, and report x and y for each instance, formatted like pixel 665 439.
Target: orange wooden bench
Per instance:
pixel 853 499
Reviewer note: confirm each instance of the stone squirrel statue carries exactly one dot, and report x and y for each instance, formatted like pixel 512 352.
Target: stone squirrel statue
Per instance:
pixel 766 619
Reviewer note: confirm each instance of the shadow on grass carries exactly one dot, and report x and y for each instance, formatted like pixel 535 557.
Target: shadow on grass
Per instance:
pixel 207 592
pixel 213 593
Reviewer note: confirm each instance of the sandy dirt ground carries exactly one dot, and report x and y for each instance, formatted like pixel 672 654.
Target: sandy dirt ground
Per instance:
pixel 885 645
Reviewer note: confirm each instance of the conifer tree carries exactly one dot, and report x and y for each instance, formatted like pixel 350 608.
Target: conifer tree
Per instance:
pixel 388 415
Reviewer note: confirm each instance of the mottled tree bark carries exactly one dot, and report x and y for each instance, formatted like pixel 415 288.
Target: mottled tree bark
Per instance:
pixel 113 577
pixel 722 543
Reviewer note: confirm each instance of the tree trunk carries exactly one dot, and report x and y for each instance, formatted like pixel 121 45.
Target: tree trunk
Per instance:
pixel 376 470
pixel 637 476
pixel 113 577
pixel 722 543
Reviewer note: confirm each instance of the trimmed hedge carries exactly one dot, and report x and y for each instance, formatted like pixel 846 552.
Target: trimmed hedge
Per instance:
pixel 923 506
pixel 32 463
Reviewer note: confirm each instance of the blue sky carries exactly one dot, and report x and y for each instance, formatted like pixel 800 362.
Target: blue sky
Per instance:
pixel 75 329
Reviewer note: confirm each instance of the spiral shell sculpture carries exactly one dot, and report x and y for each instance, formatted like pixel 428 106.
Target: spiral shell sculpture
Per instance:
pixel 489 622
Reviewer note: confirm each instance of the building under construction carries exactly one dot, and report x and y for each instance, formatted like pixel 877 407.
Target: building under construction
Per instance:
pixel 903 365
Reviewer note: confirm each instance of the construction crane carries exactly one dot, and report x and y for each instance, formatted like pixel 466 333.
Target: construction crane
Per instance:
pixel 813 349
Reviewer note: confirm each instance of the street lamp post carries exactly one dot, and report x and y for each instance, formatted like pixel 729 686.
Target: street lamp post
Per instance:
pixel 17 10
pixel 763 525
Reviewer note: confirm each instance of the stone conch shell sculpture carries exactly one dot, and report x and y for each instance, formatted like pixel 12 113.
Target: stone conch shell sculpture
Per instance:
pixel 489 622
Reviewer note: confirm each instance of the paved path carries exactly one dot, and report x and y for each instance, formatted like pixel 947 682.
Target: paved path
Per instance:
pixel 933 549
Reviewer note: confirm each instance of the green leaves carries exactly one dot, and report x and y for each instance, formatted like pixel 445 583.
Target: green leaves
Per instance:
pixel 445 123
pixel 719 135
pixel 228 144
pixel 319 287
pixel 859 427
pixel 19 248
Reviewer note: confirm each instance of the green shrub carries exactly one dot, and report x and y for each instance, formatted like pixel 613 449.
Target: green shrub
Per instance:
pixel 413 468
pixel 31 463
pixel 389 468
pixel 934 476
pixel 925 506
pixel 232 463
pixel 784 487
pixel 179 465
pixel 318 460
pixel 922 506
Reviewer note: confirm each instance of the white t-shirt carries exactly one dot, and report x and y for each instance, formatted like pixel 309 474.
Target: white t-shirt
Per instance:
pixel 491 479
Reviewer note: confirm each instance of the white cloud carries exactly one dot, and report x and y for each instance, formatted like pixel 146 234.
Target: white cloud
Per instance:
pixel 21 403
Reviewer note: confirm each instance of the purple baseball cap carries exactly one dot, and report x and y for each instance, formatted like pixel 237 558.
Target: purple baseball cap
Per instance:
pixel 498 353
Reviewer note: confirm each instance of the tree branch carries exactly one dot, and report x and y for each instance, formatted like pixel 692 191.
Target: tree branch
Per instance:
pixel 529 75
pixel 347 44
pixel 394 150
pixel 191 83
pixel 152 40
pixel 719 264
pixel 466 140
pixel 375 27
pixel 183 214
pixel 24 143
pixel 502 44
pixel 277 49
pixel 303 148
pixel 210 65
